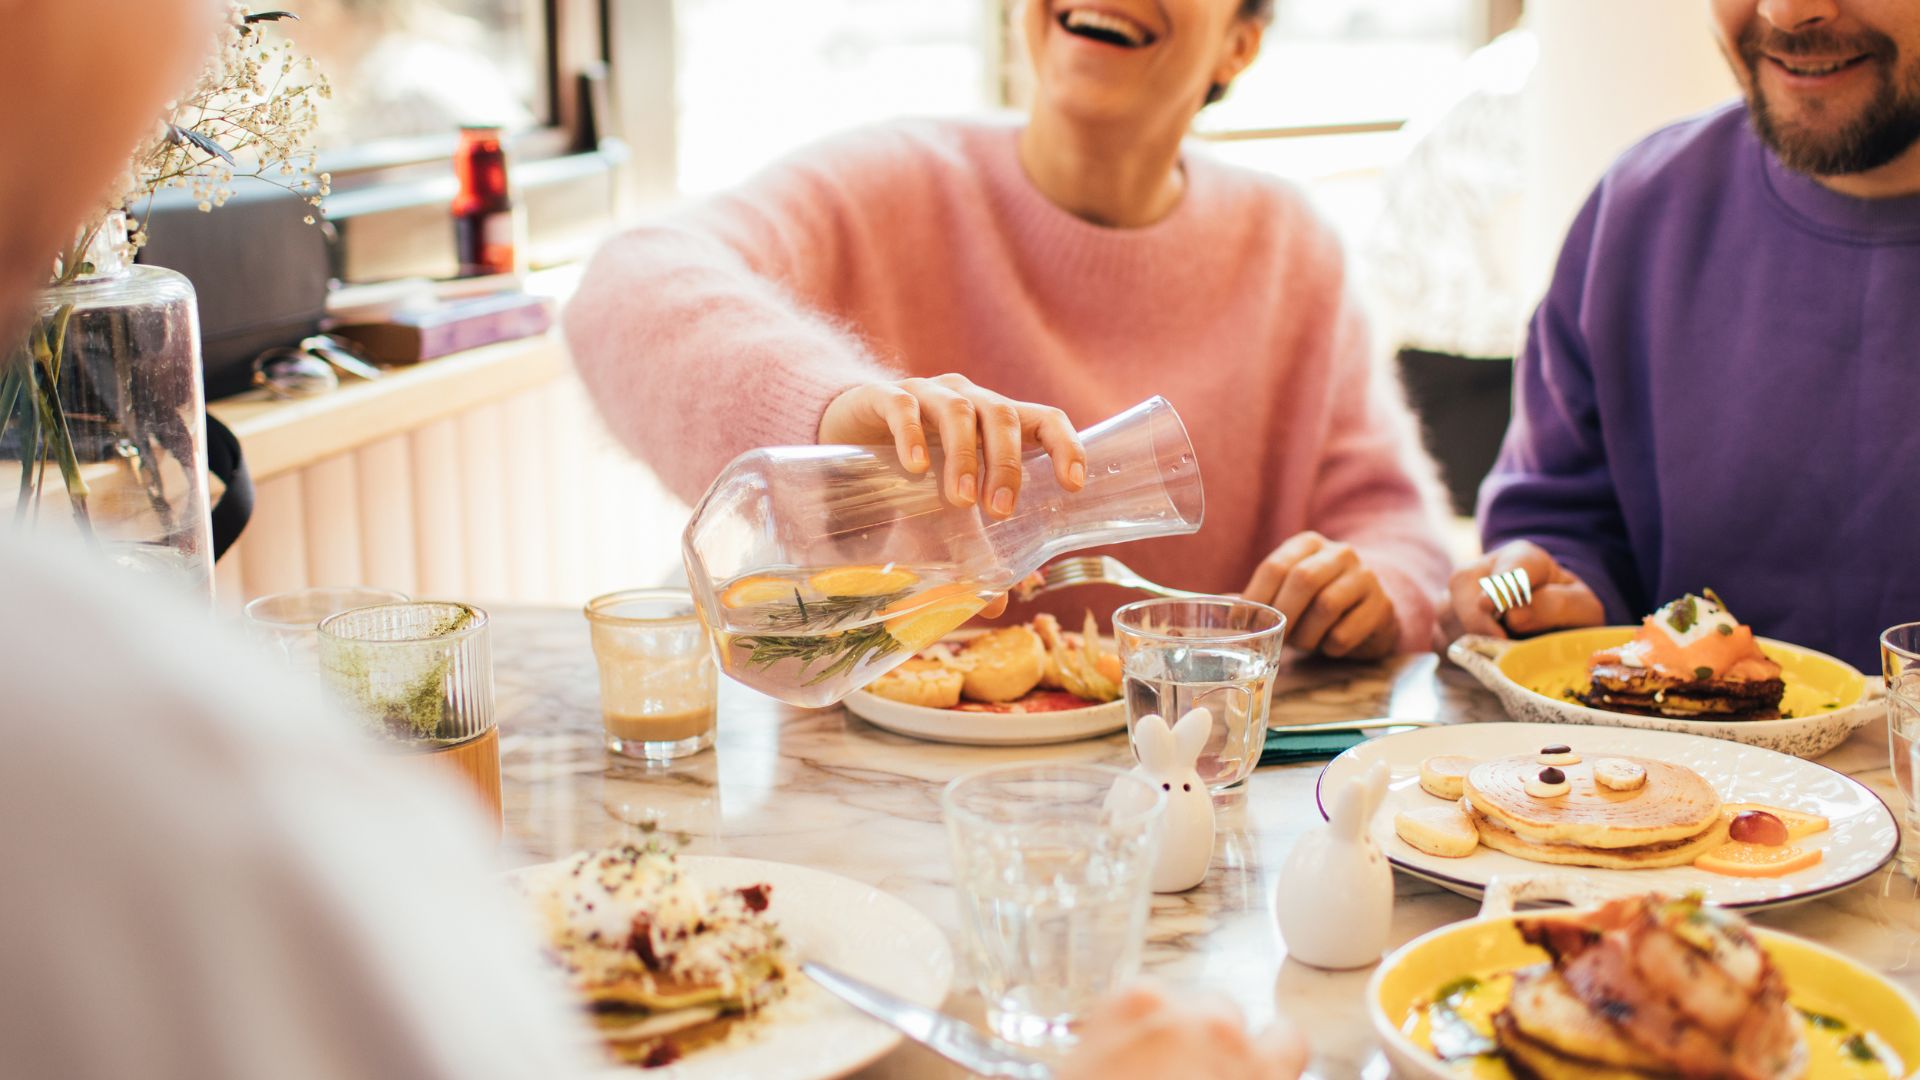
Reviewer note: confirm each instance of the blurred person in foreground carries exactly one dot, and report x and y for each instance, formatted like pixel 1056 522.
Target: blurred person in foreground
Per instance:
pixel 993 285
pixel 1719 388
pixel 208 877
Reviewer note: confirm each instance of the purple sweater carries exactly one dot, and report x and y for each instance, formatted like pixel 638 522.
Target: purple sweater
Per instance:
pixel 1722 388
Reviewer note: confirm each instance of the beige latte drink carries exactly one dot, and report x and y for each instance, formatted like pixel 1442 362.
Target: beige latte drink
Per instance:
pixel 658 686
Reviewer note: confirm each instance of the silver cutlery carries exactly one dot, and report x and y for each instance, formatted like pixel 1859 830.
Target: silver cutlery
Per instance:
pixel 1096 570
pixel 947 1036
pixel 1508 590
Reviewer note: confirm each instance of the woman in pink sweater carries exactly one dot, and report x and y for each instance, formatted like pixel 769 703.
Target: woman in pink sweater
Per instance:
pixel 947 275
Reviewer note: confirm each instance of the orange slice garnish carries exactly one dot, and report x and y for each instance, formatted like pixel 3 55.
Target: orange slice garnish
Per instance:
pixel 1757 860
pixel 862 580
pixel 933 616
pixel 1799 825
pixel 748 592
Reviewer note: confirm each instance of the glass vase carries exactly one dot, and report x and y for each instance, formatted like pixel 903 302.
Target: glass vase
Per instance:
pixel 103 417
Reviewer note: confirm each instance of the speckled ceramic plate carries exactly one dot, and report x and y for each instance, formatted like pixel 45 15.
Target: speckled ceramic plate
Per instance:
pixel 809 1034
pixel 1827 698
pixel 1859 841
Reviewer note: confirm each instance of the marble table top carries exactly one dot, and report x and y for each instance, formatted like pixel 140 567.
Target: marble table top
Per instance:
pixel 825 789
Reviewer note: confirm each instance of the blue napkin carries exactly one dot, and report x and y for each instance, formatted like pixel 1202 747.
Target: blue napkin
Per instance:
pixel 1292 748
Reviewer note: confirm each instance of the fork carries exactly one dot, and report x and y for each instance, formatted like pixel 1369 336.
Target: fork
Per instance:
pixel 1508 590
pixel 1096 570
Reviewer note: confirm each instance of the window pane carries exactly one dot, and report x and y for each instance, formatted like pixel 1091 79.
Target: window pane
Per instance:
pixel 759 77
pixel 1348 61
pixel 423 67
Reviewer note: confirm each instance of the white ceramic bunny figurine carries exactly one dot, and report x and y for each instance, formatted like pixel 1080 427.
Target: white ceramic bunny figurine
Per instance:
pixel 1167 761
pixel 1334 898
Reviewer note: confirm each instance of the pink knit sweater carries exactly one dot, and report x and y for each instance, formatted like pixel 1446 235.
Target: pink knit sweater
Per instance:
pixel 921 248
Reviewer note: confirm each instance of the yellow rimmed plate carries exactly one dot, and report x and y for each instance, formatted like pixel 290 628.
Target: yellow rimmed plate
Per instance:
pixel 1817 978
pixel 1827 698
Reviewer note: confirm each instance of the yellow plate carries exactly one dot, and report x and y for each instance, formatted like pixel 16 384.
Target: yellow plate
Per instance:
pixel 1817 978
pixel 1828 698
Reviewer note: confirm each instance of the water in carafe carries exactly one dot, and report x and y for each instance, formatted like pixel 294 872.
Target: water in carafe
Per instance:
pixel 818 569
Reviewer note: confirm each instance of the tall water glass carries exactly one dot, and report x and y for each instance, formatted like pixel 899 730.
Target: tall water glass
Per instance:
pixel 287 624
pixel 419 677
pixel 1218 653
pixel 1900 667
pixel 1051 863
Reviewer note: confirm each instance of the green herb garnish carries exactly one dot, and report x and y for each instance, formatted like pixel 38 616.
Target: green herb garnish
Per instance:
pixel 1703 672
pixel 1823 1021
pixel 832 611
pixel 1465 984
pixel 1725 630
pixel 1860 1050
pixel 1686 612
pixel 846 650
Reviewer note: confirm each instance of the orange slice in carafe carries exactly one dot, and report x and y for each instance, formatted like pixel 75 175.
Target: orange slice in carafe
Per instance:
pixel 862 580
pixel 932 615
pixel 751 591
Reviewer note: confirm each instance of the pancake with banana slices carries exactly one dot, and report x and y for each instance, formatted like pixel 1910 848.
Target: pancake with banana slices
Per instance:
pixel 1690 659
pixel 663 964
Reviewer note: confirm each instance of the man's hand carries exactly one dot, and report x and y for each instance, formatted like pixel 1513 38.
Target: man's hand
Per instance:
pixel 981 434
pixel 1141 1034
pixel 1333 603
pixel 1560 600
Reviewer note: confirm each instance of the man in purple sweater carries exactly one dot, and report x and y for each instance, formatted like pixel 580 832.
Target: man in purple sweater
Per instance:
pixel 1722 386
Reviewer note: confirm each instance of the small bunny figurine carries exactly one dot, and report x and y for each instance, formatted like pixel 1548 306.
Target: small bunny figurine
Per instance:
pixel 1334 898
pixel 1167 760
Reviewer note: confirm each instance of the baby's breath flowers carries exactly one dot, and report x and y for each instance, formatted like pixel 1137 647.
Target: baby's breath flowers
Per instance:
pixel 250 115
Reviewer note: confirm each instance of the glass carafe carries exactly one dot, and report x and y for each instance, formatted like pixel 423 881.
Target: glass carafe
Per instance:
pixel 817 569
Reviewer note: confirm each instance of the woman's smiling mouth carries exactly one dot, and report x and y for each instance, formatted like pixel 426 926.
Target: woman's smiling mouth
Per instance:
pixel 1106 27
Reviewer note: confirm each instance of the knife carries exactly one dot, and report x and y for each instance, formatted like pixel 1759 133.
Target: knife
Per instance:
pixel 951 1038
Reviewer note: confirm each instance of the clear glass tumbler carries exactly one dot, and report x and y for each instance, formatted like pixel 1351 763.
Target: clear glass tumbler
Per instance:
pixel 1900 667
pixel 1051 865
pixel 287 624
pixel 419 676
pixel 1218 653
pixel 658 687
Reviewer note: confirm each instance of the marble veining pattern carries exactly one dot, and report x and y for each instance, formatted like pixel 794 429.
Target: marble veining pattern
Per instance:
pixel 825 789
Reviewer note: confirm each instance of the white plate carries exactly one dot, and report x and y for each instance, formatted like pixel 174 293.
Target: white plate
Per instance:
pixel 1861 838
pixel 987 729
pixel 809 1034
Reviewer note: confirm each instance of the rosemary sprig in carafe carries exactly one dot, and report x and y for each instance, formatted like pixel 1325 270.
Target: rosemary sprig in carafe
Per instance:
pixel 843 651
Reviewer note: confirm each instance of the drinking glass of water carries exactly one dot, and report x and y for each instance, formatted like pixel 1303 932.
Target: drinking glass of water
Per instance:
pixel 1218 653
pixel 1900 666
pixel 1051 864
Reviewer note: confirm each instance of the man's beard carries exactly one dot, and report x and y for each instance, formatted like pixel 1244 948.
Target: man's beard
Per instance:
pixel 1882 131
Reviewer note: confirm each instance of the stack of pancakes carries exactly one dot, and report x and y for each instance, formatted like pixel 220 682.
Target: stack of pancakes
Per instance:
pixel 1668 821
pixel 1648 691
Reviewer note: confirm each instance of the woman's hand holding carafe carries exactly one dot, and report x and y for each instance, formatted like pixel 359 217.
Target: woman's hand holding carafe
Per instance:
pixel 981 434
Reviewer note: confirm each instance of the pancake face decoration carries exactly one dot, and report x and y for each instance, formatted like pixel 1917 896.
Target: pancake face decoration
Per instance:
pixel 1614 813
pixel 1667 821
pixel 1690 659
